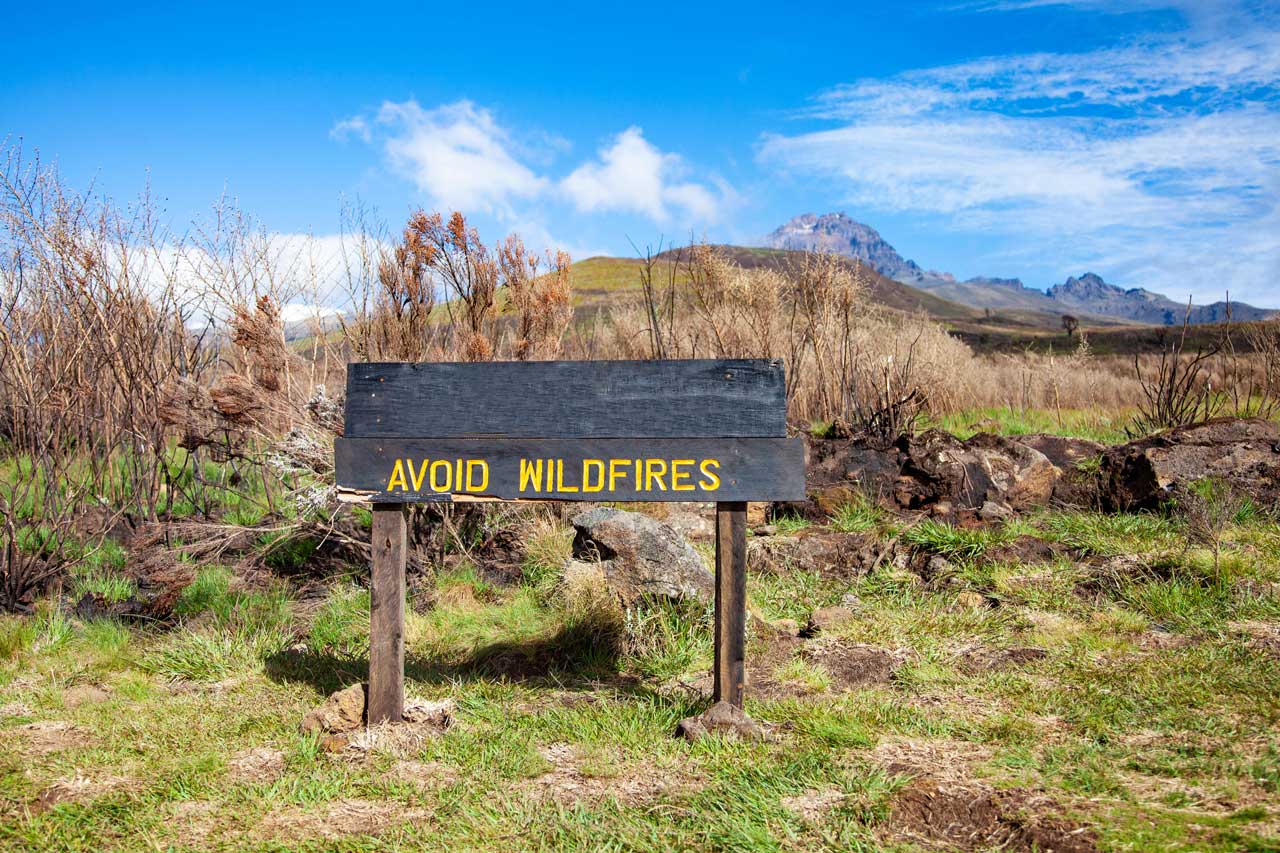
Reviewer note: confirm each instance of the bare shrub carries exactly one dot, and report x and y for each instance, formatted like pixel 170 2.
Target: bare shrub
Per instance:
pixel 1175 393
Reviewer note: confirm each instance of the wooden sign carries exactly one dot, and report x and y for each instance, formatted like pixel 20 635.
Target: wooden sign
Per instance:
pixel 711 430
pixel 696 430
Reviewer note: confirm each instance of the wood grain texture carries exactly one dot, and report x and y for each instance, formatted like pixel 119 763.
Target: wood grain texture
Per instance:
pixel 763 469
pixel 386 614
pixel 568 399
pixel 731 602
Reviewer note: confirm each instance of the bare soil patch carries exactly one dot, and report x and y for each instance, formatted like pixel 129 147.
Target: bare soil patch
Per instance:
pixel 337 819
pixel 48 736
pixel 260 764
pixel 566 783
pixel 81 787
pixel 986 659
pixel 972 816
pixel 813 805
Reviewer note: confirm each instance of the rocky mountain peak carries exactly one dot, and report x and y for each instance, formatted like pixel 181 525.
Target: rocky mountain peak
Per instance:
pixel 841 234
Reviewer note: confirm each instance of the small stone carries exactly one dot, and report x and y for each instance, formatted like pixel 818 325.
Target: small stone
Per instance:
pixel 790 627
pixel 334 743
pixel 939 567
pixel 851 601
pixel 828 619
pixel 973 601
pixel 765 530
pixel 341 712
pixel 994 511
pixel 721 718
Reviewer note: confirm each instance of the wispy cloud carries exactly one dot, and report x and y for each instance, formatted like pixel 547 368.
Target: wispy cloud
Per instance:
pixel 1152 159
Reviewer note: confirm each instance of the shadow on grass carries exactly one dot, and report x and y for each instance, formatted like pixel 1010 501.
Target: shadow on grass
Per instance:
pixel 574 655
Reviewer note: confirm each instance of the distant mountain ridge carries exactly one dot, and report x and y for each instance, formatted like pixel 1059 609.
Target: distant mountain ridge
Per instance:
pixel 1089 294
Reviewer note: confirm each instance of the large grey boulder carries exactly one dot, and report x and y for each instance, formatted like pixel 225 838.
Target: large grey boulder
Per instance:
pixel 640 557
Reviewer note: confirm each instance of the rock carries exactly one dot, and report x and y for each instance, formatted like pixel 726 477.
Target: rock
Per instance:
pixel 757 513
pixel 789 627
pixel 1243 452
pixel 765 530
pixel 722 719
pixel 938 567
pixel 1077 459
pixel 851 601
pixel 994 511
pixel 640 557
pixel 828 619
pixel 836 555
pixel 841 471
pixel 341 712
pixel 972 601
pixel 968 474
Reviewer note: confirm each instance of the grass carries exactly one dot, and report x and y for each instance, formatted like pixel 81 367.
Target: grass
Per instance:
pixel 955 543
pixel 1107 427
pixel 1151 715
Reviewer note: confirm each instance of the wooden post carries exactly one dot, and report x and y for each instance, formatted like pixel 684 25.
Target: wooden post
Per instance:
pixel 731 601
pixel 386 614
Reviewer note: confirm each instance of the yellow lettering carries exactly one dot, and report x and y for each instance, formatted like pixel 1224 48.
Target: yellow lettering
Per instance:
pixel 587 485
pixel 457 474
pixel 710 481
pixel 418 475
pixel 655 469
pixel 472 485
pixel 560 486
pixel 531 472
pixel 436 485
pixel 677 475
pixel 616 473
pixel 397 476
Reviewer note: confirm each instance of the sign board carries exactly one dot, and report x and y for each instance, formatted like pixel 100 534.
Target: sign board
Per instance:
pixel 696 430
pixel 711 430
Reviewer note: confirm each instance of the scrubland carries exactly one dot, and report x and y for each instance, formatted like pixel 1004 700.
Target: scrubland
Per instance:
pixel 179 584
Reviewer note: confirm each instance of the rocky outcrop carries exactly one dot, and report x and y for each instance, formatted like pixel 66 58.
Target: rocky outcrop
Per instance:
pixel 844 556
pixel 1144 474
pixel 639 557
pixel 987 476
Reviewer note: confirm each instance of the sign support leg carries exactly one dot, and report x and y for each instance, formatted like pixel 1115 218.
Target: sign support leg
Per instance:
pixel 386 614
pixel 731 601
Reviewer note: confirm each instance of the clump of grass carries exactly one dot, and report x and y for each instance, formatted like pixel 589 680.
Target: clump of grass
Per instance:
pixel 240 628
pixel 210 588
pixel 1111 535
pixel 789 525
pixel 548 546
pixel 954 543
pixel 104 586
pixel 341 626
pixel 814 677
pixel 666 639
pixel 857 516
pixel 17 634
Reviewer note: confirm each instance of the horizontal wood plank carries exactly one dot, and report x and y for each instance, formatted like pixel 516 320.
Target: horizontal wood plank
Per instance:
pixel 413 470
pixel 736 398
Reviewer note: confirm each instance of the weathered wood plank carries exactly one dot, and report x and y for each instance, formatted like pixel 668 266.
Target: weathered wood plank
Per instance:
pixel 386 614
pixel 731 602
pixel 568 399
pixel 414 470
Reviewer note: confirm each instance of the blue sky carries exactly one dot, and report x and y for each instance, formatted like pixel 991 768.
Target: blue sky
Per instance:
pixel 1134 138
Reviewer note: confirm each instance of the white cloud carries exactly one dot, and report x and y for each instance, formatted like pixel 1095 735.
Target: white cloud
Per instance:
pixel 457 154
pixel 1151 160
pixel 632 175
pixel 461 158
